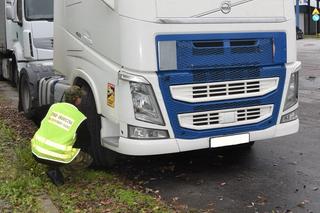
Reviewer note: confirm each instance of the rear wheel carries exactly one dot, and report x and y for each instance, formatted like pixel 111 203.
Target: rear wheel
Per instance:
pixel 25 97
pixel 102 157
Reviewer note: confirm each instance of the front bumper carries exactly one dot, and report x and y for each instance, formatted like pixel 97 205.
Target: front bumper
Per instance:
pixel 157 147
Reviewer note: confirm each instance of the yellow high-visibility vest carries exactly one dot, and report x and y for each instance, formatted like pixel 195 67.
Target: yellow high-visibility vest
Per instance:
pixel 57 134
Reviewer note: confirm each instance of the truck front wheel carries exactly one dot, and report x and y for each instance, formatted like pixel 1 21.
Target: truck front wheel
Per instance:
pixel 102 157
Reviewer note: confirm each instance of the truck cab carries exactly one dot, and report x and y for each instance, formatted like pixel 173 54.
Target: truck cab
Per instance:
pixel 168 76
pixel 26 35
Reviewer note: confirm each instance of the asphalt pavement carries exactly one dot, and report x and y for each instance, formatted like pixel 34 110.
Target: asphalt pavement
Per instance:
pixel 278 175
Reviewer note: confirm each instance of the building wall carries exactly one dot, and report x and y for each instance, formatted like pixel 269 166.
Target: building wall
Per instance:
pixel 304 20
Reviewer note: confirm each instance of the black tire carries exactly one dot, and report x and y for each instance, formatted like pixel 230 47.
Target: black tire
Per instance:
pixel 1 74
pixel 102 157
pixel 25 97
pixel 14 77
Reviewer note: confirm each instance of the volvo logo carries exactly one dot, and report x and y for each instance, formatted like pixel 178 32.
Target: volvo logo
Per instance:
pixel 226 7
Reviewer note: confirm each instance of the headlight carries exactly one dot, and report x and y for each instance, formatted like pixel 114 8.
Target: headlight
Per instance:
pixel 292 95
pixel 145 133
pixel 145 104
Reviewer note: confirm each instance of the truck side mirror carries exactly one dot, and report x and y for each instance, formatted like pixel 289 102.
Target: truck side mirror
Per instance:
pixel 10 12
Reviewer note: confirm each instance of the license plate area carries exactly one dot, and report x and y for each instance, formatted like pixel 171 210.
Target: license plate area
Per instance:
pixel 230 140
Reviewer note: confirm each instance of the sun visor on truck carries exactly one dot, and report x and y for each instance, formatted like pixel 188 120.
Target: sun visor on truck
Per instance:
pixel 242 9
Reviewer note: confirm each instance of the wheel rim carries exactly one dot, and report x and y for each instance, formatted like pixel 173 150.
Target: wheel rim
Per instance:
pixel 25 98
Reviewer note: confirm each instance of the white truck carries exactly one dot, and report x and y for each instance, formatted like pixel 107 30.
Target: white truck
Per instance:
pixel 168 76
pixel 26 35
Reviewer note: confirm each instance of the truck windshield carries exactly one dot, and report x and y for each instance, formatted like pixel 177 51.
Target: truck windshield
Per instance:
pixel 39 10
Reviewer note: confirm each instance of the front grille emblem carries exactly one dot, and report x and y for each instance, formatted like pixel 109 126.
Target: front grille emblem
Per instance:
pixel 226 7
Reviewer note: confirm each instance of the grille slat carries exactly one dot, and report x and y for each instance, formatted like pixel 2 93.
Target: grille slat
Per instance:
pixel 199 91
pixel 237 88
pixel 225 118
pixel 224 91
pixel 218 94
pixel 218 90
pixel 200 120
pixel 226 74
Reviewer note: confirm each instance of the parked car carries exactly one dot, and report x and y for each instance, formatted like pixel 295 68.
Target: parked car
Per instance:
pixel 299 33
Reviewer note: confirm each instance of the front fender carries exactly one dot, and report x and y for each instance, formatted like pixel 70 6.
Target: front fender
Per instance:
pixel 18 52
pixel 79 73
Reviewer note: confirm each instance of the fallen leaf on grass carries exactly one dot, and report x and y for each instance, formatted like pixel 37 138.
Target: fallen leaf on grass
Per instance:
pixel 105 202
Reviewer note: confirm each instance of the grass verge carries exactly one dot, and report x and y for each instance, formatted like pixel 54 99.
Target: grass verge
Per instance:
pixel 23 181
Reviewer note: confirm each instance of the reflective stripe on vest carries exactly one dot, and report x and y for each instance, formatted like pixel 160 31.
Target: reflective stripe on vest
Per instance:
pixel 52 144
pixel 61 158
pixel 50 153
pixel 57 134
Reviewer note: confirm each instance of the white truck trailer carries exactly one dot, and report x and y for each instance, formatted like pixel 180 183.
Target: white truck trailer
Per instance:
pixel 168 76
pixel 26 35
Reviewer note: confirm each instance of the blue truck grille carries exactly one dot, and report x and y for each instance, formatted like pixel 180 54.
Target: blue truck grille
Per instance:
pixel 202 54
pixel 219 58
pixel 226 74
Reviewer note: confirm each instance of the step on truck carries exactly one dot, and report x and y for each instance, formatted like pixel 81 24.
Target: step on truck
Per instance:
pixel 26 36
pixel 168 76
